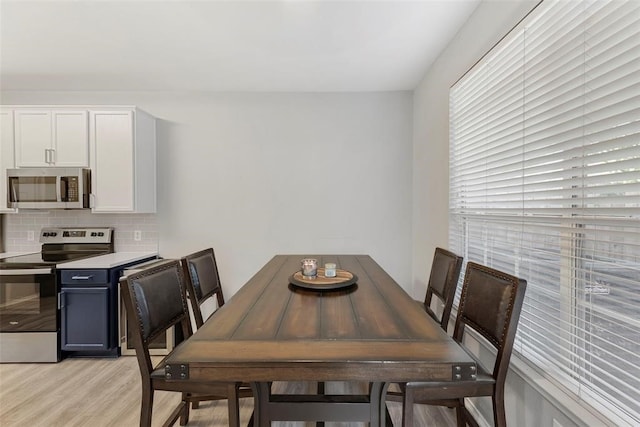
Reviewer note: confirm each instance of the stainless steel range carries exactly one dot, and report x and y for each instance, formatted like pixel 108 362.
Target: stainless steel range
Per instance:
pixel 29 313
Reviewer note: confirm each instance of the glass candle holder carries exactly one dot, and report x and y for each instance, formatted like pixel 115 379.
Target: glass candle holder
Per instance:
pixel 330 269
pixel 309 267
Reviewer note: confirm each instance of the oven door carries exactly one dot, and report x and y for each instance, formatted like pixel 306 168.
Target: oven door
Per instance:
pixel 28 300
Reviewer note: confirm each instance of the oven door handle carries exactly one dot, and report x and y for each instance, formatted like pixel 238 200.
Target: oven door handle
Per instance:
pixel 82 277
pixel 25 271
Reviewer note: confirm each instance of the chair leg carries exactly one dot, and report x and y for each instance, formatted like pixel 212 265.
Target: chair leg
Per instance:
pixel 499 415
pixel 407 408
pixel 176 414
pixel 146 405
pixel 461 416
pixel 184 416
pixel 233 405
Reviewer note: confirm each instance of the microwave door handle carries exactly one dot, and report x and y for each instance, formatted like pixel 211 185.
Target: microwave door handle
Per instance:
pixel 12 187
pixel 62 189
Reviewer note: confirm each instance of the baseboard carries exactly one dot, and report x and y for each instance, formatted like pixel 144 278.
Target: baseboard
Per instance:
pixel 573 412
pixel 475 413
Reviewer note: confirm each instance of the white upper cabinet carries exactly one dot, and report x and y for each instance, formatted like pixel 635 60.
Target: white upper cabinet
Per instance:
pixel 57 138
pixel 6 155
pixel 118 144
pixel 123 161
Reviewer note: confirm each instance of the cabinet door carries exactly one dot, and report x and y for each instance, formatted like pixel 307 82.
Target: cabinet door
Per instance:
pixel 84 318
pixel 112 157
pixel 70 138
pixel 6 155
pixel 52 138
pixel 33 138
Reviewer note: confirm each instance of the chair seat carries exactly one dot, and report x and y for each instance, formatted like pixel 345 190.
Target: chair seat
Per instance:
pixel 428 392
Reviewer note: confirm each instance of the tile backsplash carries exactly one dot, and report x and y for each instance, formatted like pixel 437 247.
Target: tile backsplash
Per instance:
pixel 19 227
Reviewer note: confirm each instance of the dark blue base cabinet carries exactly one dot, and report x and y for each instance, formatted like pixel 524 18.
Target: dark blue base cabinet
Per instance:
pixel 89 312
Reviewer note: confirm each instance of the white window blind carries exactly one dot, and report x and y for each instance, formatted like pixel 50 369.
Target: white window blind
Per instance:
pixel 545 184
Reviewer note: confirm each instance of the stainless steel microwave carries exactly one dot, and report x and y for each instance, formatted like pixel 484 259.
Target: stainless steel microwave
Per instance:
pixel 48 188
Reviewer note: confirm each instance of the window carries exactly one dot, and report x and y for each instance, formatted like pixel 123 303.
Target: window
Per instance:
pixel 545 184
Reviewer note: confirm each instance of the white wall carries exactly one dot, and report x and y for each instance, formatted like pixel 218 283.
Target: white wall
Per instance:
pixel 531 400
pixel 258 174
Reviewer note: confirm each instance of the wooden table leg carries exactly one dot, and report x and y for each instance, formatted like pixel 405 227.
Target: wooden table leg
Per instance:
pixel 375 390
pixel 261 393
pixel 307 407
pixel 320 389
pixel 379 413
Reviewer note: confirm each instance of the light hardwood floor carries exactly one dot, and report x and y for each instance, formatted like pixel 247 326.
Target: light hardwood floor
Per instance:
pixel 106 392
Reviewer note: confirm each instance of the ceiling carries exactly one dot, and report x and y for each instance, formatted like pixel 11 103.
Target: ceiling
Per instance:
pixel 206 45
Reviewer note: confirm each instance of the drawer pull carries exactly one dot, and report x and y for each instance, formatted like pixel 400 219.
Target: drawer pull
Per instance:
pixel 81 277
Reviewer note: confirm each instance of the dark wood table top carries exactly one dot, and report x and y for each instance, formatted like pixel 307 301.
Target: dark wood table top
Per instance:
pixel 273 331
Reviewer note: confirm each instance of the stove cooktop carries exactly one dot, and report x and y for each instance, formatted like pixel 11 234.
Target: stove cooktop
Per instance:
pixel 39 259
pixel 62 245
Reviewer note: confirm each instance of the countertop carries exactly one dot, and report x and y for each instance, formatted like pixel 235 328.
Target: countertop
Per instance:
pixel 10 254
pixel 108 261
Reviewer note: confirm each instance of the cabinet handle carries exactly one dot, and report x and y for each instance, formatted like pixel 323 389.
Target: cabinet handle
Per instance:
pixel 49 156
pixel 60 300
pixel 81 277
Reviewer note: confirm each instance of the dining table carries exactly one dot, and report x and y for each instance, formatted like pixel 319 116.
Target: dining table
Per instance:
pixel 277 328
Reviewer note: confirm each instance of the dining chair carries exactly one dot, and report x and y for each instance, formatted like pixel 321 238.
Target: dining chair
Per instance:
pixel 490 305
pixel 203 284
pixel 155 299
pixel 203 281
pixel 443 281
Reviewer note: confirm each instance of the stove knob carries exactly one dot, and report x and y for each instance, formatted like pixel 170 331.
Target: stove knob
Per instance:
pixel 94 234
pixel 45 234
pixel 54 234
pixel 101 234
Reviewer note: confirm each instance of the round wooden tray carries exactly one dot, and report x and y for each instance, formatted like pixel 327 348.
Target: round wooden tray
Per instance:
pixel 343 279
